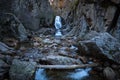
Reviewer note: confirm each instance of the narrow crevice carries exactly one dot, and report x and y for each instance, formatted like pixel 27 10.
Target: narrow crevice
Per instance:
pixel 115 19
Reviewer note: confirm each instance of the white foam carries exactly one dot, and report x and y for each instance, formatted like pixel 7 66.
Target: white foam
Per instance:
pixel 58 23
pixel 58 33
pixel 79 74
pixel 40 75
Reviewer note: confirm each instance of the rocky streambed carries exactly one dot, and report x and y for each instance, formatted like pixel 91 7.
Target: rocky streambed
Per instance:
pixel 19 61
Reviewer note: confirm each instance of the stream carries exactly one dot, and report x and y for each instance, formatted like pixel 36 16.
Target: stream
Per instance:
pixel 77 74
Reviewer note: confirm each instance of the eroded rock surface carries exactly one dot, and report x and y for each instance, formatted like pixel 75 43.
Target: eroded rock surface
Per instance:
pixel 22 70
pixel 34 14
pixel 102 46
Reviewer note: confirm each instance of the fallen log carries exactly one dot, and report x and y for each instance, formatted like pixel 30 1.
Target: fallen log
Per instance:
pixel 83 59
pixel 67 66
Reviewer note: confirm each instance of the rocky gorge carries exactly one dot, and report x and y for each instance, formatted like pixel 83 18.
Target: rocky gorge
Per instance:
pixel 90 33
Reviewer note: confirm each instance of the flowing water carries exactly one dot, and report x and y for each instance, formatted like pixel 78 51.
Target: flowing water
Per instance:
pixel 40 75
pixel 77 74
pixel 58 26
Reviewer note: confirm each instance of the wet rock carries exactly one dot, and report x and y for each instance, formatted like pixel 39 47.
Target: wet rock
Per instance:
pixel 4 47
pixel 62 60
pixel 4 68
pixel 103 46
pixel 22 70
pixel 109 73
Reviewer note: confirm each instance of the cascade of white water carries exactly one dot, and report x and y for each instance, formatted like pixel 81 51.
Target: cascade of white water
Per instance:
pixel 40 75
pixel 58 26
pixel 79 74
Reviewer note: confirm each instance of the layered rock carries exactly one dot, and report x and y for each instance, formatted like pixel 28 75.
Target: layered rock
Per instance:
pixel 103 47
pixel 34 14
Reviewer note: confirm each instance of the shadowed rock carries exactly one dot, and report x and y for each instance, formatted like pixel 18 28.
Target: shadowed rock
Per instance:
pixel 103 46
pixel 22 70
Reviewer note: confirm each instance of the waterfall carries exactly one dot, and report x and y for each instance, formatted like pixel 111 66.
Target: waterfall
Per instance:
pixel 58 26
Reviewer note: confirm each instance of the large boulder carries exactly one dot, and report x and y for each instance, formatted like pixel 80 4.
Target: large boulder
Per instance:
pixel 22 70
pixel 103 46
pixel 34 14
pixel 11 26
